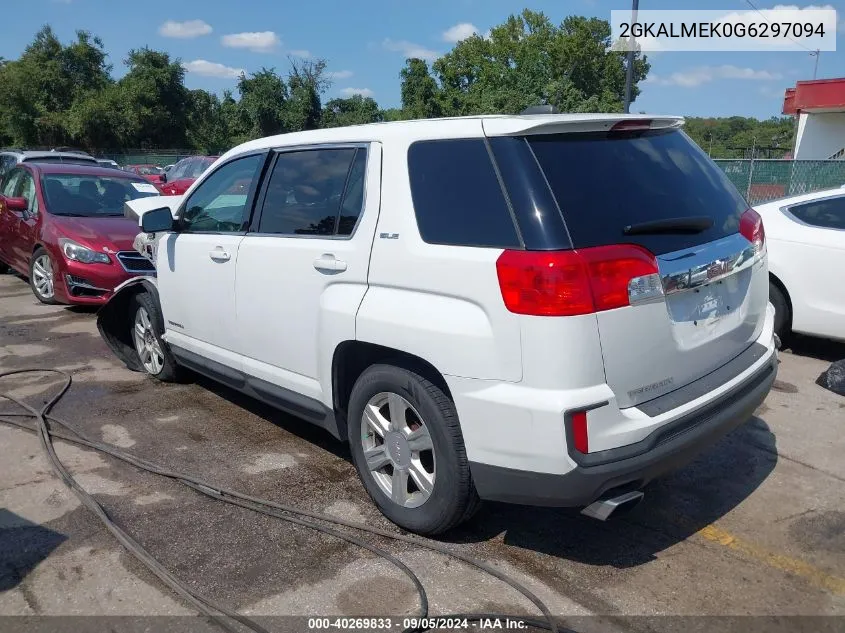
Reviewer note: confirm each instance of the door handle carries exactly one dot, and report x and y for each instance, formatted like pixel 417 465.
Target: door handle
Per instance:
pixel 219 255
pixel 329 263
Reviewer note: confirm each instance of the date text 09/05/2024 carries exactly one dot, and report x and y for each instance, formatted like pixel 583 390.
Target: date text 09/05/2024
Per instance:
pixel 483 624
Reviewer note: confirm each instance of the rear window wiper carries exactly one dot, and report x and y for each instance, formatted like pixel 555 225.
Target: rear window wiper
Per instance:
pixel 693 224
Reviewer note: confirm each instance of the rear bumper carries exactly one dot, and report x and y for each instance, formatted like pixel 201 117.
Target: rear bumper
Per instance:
pixel 585 483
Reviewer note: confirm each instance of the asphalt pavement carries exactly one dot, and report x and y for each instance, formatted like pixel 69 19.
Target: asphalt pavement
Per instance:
pixel 755 526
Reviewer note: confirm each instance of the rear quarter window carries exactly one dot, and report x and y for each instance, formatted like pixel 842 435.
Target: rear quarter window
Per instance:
pixel 828 213
pixel 606 182
pixel 457 197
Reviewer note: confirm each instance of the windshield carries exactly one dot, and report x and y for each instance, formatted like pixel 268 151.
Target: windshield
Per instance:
pixel 91 196
pixel 149 170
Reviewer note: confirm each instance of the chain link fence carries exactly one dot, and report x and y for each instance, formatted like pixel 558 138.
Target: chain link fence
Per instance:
pixel 760 180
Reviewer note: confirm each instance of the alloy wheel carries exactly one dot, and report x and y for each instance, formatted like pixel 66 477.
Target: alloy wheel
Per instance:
pixel 146 343
pixel 42 276
pixel 398 449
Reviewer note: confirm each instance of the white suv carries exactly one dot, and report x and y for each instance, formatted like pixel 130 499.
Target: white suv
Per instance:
pixel 544 309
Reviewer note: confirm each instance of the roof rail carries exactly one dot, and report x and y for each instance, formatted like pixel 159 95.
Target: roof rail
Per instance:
pixel 541 109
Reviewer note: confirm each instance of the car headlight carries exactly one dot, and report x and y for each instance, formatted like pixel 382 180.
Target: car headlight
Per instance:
pixel 79 253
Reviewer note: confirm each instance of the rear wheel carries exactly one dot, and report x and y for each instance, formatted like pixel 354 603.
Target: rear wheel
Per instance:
pixel 407 447
pixel 783 314
pixel 147 328
pixel 42 276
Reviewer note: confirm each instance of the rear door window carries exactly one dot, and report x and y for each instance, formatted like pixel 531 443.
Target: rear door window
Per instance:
pixel 457 197
pixel 605 182
pixel 305 193
pixel 827 214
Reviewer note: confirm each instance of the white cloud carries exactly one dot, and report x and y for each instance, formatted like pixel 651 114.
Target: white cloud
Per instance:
pixel 364 92
pixel 771 92
pixel 258 42
pixel 409 49
pixel 300 52
pixel 692 77
pixel 184 30
pixel 459 32
pixel 212 69
pixel 339 74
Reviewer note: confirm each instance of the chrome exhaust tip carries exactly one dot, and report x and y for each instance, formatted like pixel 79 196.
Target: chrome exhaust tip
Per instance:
pixel 603 509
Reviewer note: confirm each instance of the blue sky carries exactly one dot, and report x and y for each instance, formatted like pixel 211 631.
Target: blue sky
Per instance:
pixel 366 42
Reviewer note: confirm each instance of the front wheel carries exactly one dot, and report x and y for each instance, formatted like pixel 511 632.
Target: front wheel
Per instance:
pixel 408 449
pixel 147 329
pixel 42 276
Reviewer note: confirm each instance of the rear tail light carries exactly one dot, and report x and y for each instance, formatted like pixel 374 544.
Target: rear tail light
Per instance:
pixel 751 228
pixel 578 420
pixel 568 283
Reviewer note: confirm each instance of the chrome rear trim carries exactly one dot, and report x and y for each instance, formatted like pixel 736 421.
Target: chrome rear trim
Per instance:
pixel 701 265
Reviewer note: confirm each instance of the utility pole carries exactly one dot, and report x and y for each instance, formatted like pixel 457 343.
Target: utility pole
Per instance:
pixel 629 71
pixel 816 53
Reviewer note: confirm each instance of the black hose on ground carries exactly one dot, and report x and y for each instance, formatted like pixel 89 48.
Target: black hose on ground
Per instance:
pixel 215 612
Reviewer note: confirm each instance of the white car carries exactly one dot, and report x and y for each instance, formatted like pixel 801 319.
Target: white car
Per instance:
pixel 545 309
pixel 806 241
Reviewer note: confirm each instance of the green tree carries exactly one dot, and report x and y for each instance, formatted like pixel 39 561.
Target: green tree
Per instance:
pixel 263 98
pixel 234 120
pixel 98 120
pixel 735 137
pixel 392 114
pixel 154 99
pixel 40 87
pixel 354 110
pixel 525 61
pixel 420 92
pixel 306 84
pixel 206 128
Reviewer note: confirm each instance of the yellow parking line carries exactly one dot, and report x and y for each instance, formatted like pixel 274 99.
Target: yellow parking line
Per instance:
pixel 794 566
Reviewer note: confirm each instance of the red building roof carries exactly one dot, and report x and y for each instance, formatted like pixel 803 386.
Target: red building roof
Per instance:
pixel 818 95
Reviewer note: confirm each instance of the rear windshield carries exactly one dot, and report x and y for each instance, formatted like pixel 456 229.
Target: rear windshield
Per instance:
pixel 604 183
pixel 91 196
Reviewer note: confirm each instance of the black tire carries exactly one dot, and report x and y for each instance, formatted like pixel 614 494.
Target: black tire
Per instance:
pixel 169 370
pixel 783 314
pixel 41 252
pixel 4 267
pixel 453 498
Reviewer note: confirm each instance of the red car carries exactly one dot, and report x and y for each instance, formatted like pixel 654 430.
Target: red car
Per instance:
pixel 152 173
pixel 183 174
pixel 63 227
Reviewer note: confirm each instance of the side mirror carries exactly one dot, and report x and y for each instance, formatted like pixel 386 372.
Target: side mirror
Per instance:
pixel 157 220
pixel 163 176
pixel 17 204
